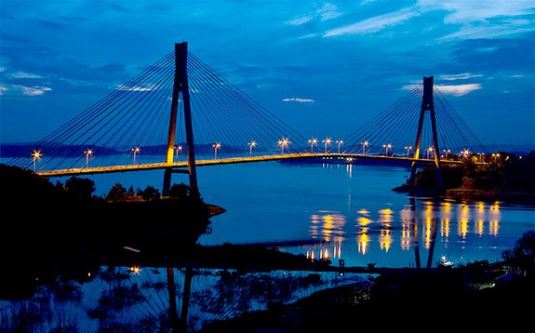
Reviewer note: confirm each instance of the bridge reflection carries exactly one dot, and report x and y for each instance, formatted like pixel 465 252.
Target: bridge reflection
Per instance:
pixel 389 232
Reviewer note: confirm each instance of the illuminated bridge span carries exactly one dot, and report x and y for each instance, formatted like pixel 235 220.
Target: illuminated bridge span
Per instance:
pixel 228 160
pixel 181 106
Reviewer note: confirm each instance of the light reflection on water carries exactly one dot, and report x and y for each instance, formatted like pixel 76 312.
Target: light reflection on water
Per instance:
pixel 419 223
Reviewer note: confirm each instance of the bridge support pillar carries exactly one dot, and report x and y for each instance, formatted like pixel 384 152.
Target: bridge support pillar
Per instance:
pixel 181 86
pixel 427 106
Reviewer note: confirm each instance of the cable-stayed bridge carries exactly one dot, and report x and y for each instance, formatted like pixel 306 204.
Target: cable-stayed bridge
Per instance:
pixel 179 109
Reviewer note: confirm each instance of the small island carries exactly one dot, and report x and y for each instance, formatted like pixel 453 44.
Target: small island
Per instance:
pixel 500 176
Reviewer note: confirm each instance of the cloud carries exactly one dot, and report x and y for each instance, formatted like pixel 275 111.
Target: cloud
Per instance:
pixel 374 24
pixel 3 90
pixel 449 89
pixel 486 31
pixel 25 75
pixel 298 100
pixel 462 12
pixel 149 87
pixel 461 76
pixel 328 12
pixel 300 20
pixel 2 69
pixel 33 91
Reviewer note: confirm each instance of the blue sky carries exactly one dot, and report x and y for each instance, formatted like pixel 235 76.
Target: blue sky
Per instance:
pixel 323 67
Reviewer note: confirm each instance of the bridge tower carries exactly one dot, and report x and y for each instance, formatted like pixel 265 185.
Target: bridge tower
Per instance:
pixel 180 86
pixel 428 105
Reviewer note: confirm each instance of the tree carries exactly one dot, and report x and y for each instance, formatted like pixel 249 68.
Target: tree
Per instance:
pixel 522 257
pixel 80 188
pixel 149 193
pixel 116 193
pixel 130 194
pixel 179 191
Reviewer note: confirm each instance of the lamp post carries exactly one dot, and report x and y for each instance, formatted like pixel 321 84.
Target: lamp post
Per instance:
pixel 465 153
pixel 216 147
pixel 365 145
pixel 178 151
pixel 429 151
pixel 387 147
pixel 312 142
pixel 339 143
pixel 408 149
pixel 135 151
pixel 88 155
pixel 283 143
pixel 327 142
pixel 251 145
pixel 36 156
pixel 446 153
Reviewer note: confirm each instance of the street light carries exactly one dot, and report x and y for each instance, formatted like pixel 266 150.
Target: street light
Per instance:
pixel 88 155
pixel 465 153
pixel 283 143
pixel 387 147
pixel 339 143
pixel 429 152
pixel 251 145
pixel 408 149
pixel 36 156
pixel 365 145
pixel 327 143
pixel 178 150
pixel 481 157
pixel 495 156
pixel 135 151
pixel 446 152
pixel 216 147
pixel 313 142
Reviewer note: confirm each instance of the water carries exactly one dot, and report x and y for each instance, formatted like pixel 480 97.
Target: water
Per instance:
pixel 349 207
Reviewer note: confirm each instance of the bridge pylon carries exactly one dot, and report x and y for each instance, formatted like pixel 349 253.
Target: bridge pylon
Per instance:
pixel 428 105
pixel 180 87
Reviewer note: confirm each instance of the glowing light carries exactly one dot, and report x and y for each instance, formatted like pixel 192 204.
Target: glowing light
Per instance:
pixel 283 143
pixel 312 142
pixel 365 145
pixel 408 150
pixel 135 151
pixel 135 270
pixel 363 241
pixel 251 145
pixel 36 156
pixel 385 239
pixel 339 143
pixel 327 142
pixel 387 147
pixel 178 150
pixel 217 146
pixel 88 155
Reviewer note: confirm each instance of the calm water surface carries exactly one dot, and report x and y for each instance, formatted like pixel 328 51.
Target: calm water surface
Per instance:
pixel 351 208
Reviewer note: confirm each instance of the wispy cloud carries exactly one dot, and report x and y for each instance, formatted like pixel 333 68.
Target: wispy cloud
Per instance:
pixel 485 31
pixel 149 87
pixel 33 91
pixel 461 76
pixel 2 69
pixel 298 100
pixel 374 24
pixel 3 90
pixel 462 12
pixel 328 12
pixel 300 20
pixel 449 89
pixel 24 75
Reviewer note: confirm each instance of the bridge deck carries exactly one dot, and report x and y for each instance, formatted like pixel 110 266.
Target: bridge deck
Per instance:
pixel 223 161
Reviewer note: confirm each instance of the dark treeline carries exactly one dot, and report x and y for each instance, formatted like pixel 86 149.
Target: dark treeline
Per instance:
pixel 49 227
pixel 503 176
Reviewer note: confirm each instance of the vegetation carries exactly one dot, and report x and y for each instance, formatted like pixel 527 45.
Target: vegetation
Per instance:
pixel 66 225
pixel 502 176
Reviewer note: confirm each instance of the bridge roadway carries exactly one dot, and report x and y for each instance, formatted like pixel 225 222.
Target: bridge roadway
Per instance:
pixel 223 161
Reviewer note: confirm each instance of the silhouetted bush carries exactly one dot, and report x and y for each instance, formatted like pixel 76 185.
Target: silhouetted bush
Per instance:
pixel 116 193
pixel 522 257
pixel 149 193
pixel 80 188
